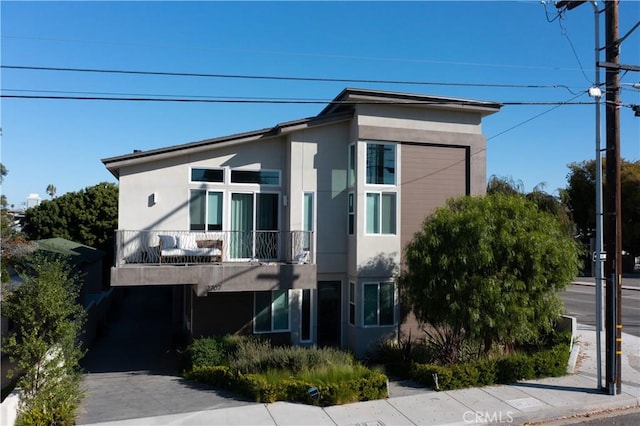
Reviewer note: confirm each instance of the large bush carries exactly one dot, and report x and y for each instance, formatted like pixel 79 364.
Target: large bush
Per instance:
pixel 489 268
pixel 44 343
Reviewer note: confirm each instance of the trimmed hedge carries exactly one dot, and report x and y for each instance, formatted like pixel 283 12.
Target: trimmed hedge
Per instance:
pixel 371 385
pixel 508 369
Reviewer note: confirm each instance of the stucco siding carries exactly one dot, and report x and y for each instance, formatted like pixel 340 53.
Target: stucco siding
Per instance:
pixel 406 117
pixel 319 165
pixel 167 183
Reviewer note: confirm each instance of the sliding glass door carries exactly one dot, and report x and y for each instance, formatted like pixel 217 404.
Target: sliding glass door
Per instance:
pixel 254 226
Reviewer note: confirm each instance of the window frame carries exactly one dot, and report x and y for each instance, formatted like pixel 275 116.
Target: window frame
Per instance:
pixel 221 169
pixel 279 172
pixel 352 165
pixel 351 213
pixel 380 216
pixel 311 315
pixel 395 163
pixel 254 215
pixel 271 312
pixel 206 192
pixel 307 236
pixel 352 303
pixel 394 301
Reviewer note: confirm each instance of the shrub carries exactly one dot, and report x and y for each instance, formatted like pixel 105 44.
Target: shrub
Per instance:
pixel 267 374
pixel 205 351
pixel 506 369
pixel 52 405
pixel 252 356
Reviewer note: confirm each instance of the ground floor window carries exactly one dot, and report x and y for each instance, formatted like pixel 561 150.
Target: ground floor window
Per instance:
pixel 271 311
pixel 352 303
pixel 306 313
pixel 379 303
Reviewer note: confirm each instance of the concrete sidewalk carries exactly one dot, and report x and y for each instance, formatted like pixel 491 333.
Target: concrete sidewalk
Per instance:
pixel 530 401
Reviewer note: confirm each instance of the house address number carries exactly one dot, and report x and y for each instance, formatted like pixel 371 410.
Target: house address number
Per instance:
pixel 214 287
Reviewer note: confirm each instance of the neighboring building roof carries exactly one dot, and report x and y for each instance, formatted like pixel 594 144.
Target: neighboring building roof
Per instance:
pixel 78 253
pixel 339 109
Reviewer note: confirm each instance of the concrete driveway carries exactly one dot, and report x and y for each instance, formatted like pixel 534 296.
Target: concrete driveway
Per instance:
pixel 131 371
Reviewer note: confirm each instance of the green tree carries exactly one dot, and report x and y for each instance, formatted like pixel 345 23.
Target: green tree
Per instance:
pixel 44 343
pixel 88 216
pixel 3 172
pixel 51 190
pixel 489 268
pixel 545 201
pixel 580 198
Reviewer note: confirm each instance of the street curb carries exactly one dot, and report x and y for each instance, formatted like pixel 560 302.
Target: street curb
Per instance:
pixel 573 358
pixel 624 287
pixel 559 413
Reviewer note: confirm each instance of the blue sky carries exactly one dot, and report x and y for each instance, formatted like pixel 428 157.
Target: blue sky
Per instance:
pixel 61 142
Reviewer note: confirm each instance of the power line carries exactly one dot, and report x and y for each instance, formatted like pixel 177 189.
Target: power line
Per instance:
pixel 284 53
pixel 285 78
pixel 282 101
pixel 121 94
pixel 533 118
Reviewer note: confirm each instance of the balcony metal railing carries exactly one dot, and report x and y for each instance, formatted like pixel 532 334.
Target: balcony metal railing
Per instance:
pixel 159 247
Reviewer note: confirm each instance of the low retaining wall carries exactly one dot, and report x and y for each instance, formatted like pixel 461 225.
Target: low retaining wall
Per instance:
pixel 9 409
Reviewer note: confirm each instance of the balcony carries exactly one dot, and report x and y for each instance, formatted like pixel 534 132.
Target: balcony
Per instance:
pixel 215 260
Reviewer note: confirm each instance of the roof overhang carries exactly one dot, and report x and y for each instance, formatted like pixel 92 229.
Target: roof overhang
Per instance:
pixel 114 164
pixel 350 98
pixel 340 109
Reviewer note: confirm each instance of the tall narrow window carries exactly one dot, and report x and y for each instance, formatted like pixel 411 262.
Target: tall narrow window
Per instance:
pixel 197 210
pixel 214 211
pixel 352 164
pixel 307 220
pixel 373 213
pixel 352 303
pixel 381 164
pixel 305 316
pixel 379 304
pixel 351 214
pixel 388 213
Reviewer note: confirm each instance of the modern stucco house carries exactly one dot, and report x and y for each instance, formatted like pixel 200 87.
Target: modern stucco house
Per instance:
pixel 297 231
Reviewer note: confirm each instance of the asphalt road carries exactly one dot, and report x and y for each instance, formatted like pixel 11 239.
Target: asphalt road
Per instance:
pixel 628 417
pixel 579 301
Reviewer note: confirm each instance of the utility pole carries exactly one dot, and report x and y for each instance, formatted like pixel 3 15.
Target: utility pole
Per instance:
pixel 597 94
pixel 613 222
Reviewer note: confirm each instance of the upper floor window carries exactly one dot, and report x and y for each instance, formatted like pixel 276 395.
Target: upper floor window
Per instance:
pixel 381 213
pixel 352 164
pixel 207 175
pixel 260 177
pixel 381 164
pixel 351 213
pixel 205 210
